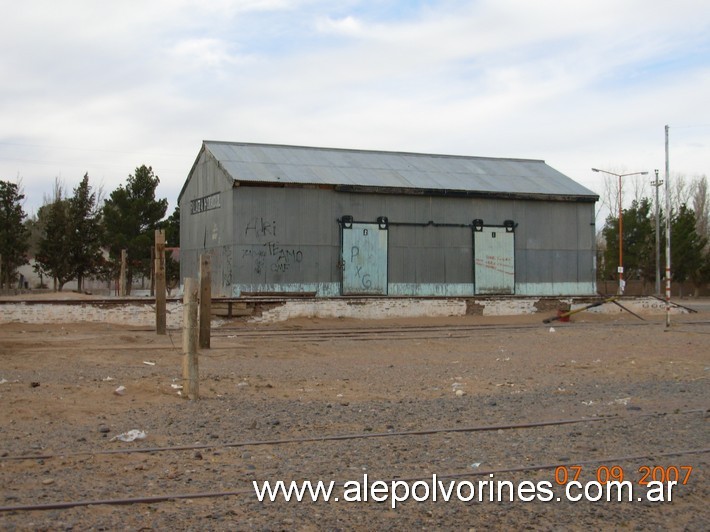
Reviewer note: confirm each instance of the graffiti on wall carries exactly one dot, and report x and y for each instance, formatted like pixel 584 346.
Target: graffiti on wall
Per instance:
pixel 227 265
pixel 500 264
pixel 259 227
pixel 266 253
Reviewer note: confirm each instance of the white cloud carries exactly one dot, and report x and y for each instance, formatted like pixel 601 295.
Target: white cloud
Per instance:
pixel 349 26
pixel 205 53
pixel 104 88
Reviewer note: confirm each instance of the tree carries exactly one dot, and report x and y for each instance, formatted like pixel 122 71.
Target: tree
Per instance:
pixel 701 206
pixel 53 257
pixel 639 242
pixel 687 247
pixel 87 232
pixel 171 225
pixel 13 234
pixel 131 215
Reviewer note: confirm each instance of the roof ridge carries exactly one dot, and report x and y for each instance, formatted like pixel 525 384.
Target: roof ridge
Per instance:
pixel 362 150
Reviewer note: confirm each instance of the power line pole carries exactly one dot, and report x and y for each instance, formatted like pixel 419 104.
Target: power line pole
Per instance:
pixel 668 238
pixel 657 183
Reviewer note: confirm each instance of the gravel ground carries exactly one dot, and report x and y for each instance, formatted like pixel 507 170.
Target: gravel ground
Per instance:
pixel 637 389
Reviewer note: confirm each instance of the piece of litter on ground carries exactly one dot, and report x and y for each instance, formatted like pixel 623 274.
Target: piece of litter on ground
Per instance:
pixel 4 381
pixel 121 390
pixel 176 386
pixel 552 329
pixel 147 363
pixel 460 393
pixel 108 379
pixel 129 436
pixel 476 465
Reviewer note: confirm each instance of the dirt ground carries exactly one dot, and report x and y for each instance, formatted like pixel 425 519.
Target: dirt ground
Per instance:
pixel 275 397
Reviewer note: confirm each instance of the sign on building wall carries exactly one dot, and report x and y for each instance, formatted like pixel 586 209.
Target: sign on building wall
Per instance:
pixel 206 203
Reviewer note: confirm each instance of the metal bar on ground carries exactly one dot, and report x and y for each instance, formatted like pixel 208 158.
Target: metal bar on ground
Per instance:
pixel 571 312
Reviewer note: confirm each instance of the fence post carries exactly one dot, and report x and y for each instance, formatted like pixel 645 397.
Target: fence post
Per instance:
pixel 122 279
pixel 190 372
pixel 205 300
pixel 160 318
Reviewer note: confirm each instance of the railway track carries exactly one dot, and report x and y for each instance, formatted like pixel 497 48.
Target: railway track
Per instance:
pixel 409 332
pixel 612 423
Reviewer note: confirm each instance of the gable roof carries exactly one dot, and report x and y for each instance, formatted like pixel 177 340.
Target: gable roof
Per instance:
pixel 393 172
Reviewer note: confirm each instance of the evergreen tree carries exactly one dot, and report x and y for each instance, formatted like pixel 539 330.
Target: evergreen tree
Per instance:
pixel 171 225
pixel 639 242
pixel 87 233
pixel 131 214
pixel 53 256
pixel 13 234
pixel 687 257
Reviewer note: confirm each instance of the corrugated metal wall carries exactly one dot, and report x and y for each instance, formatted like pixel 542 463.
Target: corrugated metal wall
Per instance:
pixel 288 239
pixel 206 225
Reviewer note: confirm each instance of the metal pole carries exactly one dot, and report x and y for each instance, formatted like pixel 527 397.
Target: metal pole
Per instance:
pixel 621 243
pixel 621 229
pixel 657 183
pixel 668 238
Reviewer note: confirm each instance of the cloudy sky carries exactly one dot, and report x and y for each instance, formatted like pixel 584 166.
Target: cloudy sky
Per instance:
pixel 104 87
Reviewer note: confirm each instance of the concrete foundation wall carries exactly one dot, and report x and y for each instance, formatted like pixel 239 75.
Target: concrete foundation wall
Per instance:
pixel 140 315
pixel 143 314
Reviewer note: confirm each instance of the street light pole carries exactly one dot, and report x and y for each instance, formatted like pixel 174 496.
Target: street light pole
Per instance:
pixel 621 226
pixel 657 183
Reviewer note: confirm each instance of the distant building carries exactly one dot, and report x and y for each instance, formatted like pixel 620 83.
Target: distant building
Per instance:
pixel 338 222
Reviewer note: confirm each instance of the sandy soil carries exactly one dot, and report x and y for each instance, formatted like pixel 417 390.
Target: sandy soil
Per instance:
pixel 642 389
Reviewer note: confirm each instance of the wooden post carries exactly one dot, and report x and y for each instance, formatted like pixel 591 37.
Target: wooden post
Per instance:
pixel 190 372
pixel 122 279
pixel 160 319
pixel 153 266
pixel 205 300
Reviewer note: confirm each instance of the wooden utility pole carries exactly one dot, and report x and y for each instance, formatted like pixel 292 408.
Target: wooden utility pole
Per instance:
pixel 205 300
pixel 159 269
pixel 190 372
pixel 122 279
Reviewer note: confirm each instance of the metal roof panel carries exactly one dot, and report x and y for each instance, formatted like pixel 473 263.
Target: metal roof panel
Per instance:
pixel 330 166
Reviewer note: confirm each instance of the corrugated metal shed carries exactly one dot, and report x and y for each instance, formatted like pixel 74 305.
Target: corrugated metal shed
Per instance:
pixel 345 168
